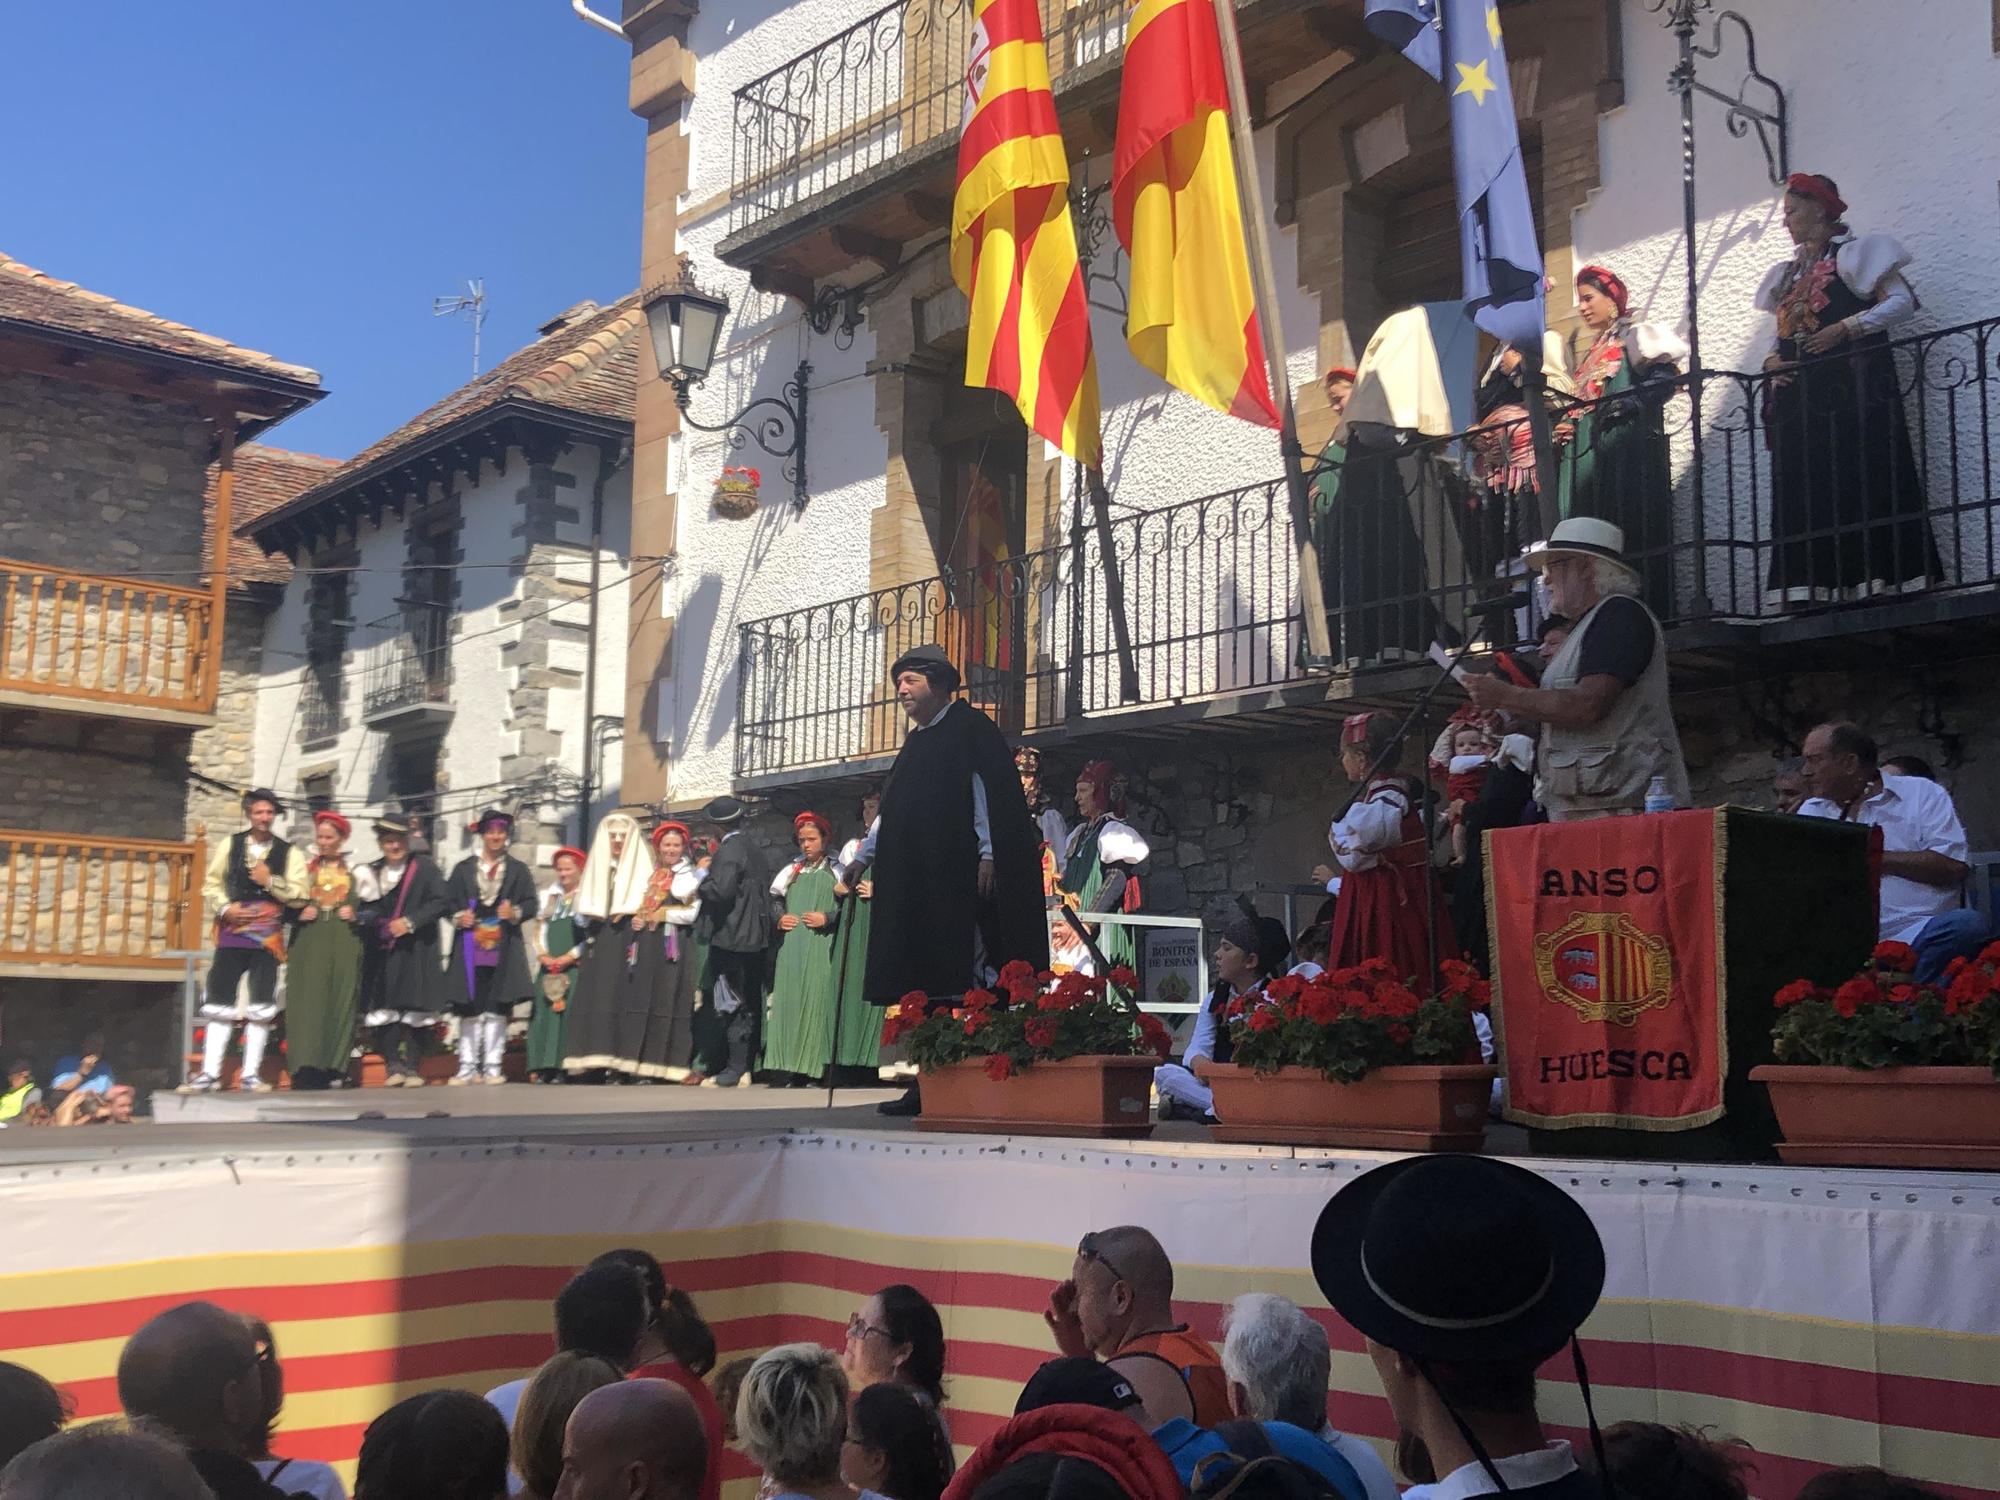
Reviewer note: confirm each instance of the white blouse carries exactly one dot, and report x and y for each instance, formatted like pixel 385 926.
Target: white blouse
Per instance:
pixel 1373 824
pixel 1117 843
pixel 1872 266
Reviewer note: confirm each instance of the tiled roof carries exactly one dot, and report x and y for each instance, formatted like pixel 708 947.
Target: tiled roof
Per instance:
pixel 589 367
pixel 266 478
pixel 32 296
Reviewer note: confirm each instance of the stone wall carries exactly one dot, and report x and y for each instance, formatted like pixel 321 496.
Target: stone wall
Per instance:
pixel 44 1019
pixel 100 482
pixel 62 774
pixel 227 751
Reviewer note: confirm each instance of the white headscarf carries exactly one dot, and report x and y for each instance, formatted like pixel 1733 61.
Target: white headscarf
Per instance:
pixel 615 888
pixel 1399 382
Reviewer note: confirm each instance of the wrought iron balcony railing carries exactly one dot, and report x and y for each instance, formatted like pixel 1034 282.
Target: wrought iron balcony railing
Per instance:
pixel 91 902
pixel 888 84
pixel 320 693
pixel 410 668
pixel 104 644
pixel 1849 480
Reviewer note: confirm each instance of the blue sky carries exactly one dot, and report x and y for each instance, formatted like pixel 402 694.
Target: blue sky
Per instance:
pixel 304 176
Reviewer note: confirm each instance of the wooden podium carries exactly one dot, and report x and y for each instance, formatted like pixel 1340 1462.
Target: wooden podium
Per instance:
pixel 1634 963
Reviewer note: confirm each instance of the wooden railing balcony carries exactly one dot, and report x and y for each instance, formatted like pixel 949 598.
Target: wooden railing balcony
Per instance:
pixel 116 646
pixel 68 901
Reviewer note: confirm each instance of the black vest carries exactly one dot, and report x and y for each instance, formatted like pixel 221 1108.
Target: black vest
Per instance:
pixel 238 882
pixel 1218 1003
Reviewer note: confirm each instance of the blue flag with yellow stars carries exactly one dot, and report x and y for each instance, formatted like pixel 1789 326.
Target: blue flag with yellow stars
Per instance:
pixel 1459 43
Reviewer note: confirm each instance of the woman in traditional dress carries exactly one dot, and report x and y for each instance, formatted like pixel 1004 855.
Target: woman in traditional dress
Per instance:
pixel 323 970
pixel 857 1049
pixel 1386 881
pixel 1614 465
pixel 1508 495
pixel 1100 873
pixel 612 976
pixel 658 1043
pixel 1848 516
pixel 798 1036
pixel 560 945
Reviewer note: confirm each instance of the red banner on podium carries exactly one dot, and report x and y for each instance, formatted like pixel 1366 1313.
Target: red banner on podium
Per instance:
pixel 1608 970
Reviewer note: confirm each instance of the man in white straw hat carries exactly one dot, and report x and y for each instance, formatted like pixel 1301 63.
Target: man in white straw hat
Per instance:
pixel 1607 726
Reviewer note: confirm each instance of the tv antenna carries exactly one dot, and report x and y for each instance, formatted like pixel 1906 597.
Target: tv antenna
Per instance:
pixel 472 307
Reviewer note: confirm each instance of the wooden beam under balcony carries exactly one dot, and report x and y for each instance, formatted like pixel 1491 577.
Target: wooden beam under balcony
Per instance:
pixel 113 647
pixel 74 906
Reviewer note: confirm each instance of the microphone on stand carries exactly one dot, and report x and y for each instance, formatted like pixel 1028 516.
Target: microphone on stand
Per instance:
pixel 1499 604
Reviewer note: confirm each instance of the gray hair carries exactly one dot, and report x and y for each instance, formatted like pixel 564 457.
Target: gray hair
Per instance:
pixel 1613 578
pixel 792 1415
pixel 1280 1357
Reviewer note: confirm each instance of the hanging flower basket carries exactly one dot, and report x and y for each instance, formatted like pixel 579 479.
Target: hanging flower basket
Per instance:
pixel 736 493
pixel 1356 1058
pixel 1884 1072
pixel 1044 1056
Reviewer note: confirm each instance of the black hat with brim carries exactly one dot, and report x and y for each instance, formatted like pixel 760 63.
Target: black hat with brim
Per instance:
pixel 398 827
pixel 725 810
pixel 929 660
pixel 258 794
pixel 1078 1380
pixel 1459 1258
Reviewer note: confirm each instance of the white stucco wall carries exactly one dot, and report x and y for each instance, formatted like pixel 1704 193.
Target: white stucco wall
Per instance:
pixel 489 616
pixel 1161 447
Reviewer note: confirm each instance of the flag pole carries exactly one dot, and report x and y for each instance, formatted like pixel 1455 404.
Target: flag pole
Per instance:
pixel 1250 193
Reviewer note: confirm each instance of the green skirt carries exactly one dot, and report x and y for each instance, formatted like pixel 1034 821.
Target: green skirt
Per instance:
pixel 322 978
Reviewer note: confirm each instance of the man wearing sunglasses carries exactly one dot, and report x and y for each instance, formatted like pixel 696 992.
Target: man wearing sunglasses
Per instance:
pixel 1118 1306
pixel 196 1371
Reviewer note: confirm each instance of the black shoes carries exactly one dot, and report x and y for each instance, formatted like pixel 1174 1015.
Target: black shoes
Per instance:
pixel 910 1105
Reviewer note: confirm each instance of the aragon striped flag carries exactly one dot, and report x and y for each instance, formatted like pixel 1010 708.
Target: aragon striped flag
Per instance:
pixel 1013 245
pixel 1193 318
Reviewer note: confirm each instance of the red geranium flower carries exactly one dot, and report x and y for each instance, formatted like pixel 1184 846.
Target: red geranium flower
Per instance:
pixel 1124 978
pixel 1040 1031
pixel 1969 988
pixel 1854 994
pixel 980 999
pixel 1017 978
pixel 1264 1018
pixel 999 1066
pixel 1895 958
pixel 916 1002
pixel 973 1023
pixel 1990 954
pixel 1796 993
pixel 1957 967
pixel 1289 987
pixel 1156 1036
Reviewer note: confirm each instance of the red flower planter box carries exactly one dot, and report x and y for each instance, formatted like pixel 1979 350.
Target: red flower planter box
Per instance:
pixel 1417 1107
pixel 1885 1117
pixel 1099 1097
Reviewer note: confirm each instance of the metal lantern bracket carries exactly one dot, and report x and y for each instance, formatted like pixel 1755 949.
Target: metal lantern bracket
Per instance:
pixel 780 432
pixel 1771 119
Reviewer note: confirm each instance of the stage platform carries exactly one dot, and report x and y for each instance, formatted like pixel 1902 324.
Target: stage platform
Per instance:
pixel 1826 1316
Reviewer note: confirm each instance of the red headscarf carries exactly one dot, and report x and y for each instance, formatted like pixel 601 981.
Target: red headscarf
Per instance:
pixel 1820 189
pixel 1606 281
pixel 666 828
pixel 573 852
pixel 1339 372
pixel 1354 729
pixel 825 828
pixel 1103 775
pixel 328 815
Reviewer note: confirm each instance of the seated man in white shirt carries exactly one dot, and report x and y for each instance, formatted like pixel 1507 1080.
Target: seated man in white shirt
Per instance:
pixel 1465 1273
pixel 1248 950
pixel 1923 845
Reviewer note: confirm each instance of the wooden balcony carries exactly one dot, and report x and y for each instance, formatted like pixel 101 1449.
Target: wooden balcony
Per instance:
pixel 117 647
pixel 91 908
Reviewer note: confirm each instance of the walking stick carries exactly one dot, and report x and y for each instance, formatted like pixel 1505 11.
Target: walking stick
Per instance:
pixel 847 908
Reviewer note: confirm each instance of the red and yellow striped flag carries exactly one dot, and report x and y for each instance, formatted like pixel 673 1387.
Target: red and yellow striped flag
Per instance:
pixel 1013 246
pixel 1193 318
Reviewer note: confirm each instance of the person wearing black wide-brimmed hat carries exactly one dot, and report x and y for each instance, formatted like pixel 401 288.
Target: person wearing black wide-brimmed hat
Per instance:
pixel 403 898
pixel 1464 1273
pixel 492 895
pixel 958 871
pixel 737 924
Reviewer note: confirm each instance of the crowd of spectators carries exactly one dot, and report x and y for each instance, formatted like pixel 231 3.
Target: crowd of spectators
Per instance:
pixel 81 1090
pixel 1463 1276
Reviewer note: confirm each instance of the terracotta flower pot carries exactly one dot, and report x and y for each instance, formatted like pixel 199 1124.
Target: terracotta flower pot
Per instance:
pixel 1421 1107
pixel 1086 1096
pixel 1885 1117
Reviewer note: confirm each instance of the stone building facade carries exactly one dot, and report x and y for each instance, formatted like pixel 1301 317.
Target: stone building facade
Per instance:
pixel 117 639
pixel 451 589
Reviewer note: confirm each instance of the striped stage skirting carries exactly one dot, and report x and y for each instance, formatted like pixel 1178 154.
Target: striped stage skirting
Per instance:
pixel 1826 1317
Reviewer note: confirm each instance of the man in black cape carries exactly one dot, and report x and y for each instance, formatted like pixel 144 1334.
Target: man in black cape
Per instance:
pixel 735 921
pixel 958 875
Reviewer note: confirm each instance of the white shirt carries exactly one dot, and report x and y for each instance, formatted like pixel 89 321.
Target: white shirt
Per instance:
pixel 982 821
pixel 1915 816
pixel 303 1476
pixel 1520 1470
pixel 1373 824
pixel 1376 1481
pixel 506 1399
pixel 1306 970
